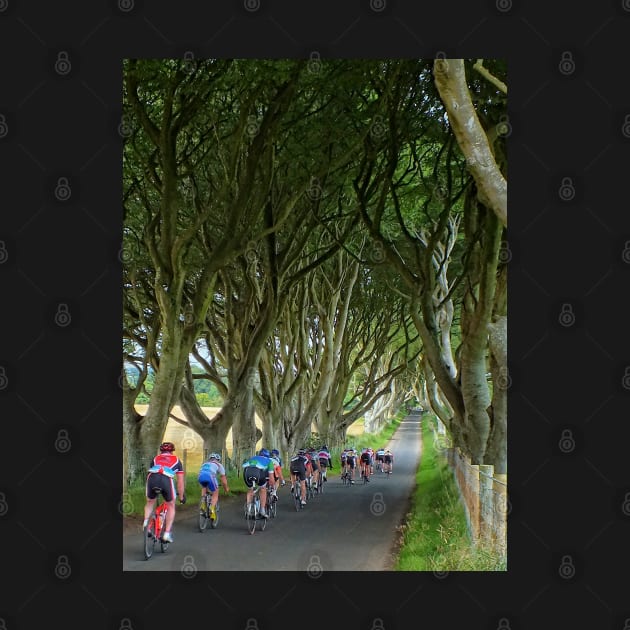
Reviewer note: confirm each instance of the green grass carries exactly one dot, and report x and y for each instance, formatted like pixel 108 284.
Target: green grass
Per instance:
pixel 435 537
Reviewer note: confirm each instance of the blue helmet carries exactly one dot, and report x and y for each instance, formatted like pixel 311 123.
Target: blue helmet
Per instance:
pixel 275 452
pixel 264 452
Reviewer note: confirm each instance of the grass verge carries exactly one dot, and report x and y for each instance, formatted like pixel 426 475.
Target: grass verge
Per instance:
pixel 435 536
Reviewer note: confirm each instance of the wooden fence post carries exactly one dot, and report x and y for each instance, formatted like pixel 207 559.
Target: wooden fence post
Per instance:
pixel 486 503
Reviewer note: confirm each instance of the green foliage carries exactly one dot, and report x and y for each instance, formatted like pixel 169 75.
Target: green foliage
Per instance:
pixel 435 535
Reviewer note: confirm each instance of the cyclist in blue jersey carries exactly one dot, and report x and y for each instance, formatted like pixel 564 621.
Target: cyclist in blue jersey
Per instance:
pixel 212 470
pixel 260 468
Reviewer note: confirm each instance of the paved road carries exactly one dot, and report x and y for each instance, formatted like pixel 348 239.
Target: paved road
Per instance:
pixel 347 528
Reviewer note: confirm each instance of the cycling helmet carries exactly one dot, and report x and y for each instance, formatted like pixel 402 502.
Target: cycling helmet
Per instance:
pixel 324 448
pixel 301 452
pixel 264 452
pixel 215 456
pixel 167 447
pixel 275 452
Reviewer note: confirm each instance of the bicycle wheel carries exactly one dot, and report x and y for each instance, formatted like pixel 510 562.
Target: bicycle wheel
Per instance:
pixel 272 508
pixel 322 482
pixel 214 522
pixel 263 522
pixel 148 534
pixel 296 497
pixel 251 519
pixel 203 515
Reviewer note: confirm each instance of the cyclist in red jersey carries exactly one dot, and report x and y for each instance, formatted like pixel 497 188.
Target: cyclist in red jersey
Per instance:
pixel 165 468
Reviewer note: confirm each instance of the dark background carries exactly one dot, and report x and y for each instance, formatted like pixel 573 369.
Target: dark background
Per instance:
pixel 60 312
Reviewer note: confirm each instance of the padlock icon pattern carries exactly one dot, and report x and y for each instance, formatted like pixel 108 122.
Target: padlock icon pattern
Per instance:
pixel 3 623
pixel 625 506
pixel 125 624
pixel 566 443
pixel 566 192
pixel 625 128
pixel 189 441
pixel 625 381
pixel 62 442
pixel 190 65
pixel 378 5
pixel 4 506
pixel 503 5
pixel 4 5
pixel 567 64
pixel 62 568
pixel 314 191
pixel 4 254
pixel 567 316
pixel 505 253
pixel 377 128
pixel 503 624
pixel 567 568
pixel 126 5
pixel 62 316
pixel 377 506
pixel 252 126
pixel 62 63
pixel 4 379
pixel 4 128
pixel 251 624
pixel 314 62
pixel 315 568
pixel 504 381
pixel 504 127
pixel 625 254
pixel 124 127
pixel 377 624
pixel 63 192
pixel 251 5
pixel 189 570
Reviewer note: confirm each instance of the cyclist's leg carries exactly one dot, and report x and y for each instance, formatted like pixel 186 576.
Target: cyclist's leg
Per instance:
pixel 169 498
pixel 151 499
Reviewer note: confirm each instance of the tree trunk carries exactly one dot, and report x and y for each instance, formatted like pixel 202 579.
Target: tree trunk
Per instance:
pixel 450 80
pixel 496 453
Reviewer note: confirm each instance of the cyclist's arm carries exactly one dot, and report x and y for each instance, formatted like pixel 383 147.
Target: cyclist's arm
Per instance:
pixel 224 483
pixel 180 483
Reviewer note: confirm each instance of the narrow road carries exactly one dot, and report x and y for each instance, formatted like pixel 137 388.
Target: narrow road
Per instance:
pixel 347 528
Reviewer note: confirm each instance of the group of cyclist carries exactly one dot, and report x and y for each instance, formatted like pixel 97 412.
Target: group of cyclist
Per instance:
pixel 351 459
pixel 264 468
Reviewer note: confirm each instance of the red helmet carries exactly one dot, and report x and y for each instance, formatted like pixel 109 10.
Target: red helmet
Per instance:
pixel 167 447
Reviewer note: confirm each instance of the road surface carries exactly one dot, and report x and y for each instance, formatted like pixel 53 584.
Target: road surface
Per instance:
pixel 347 528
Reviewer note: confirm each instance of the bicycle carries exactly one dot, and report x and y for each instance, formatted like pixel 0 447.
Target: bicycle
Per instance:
pixel 272 504
pixel 205 515
pixel 322 479
pixel 155 527
pixel 253 516
pixel 297 494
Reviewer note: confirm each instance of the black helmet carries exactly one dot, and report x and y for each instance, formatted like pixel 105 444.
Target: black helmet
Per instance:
pixel 167 447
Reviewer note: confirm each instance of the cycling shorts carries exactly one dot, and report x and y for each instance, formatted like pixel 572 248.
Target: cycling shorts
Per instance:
pixel 251 472
pixel 158 483
pixel 208 481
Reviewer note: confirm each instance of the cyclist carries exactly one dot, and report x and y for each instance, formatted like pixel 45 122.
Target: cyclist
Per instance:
pixel 351 462
pixel 325 460
pixel 207 478
pixel 259 467
pixel 379 457
pixel 370 451
pixel 298 467
pixel 164 468
pixel 365 463
pixel 311 453
pixel 277 470
pixel 388 461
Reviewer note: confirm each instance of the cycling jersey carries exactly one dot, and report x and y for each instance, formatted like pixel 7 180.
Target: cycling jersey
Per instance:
pixel 324 458
pixel 166 464
pixel 210 469
pixel 260 462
